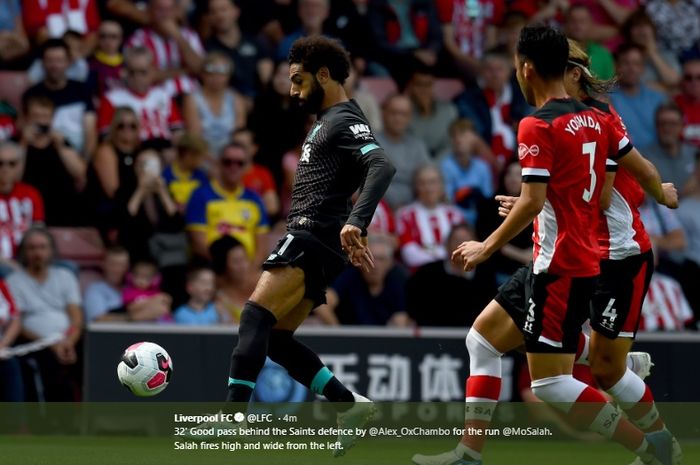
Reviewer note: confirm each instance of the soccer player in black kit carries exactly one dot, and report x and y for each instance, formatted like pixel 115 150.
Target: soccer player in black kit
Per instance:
pixel 324 232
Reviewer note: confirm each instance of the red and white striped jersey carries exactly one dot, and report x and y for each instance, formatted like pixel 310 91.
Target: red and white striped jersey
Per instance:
pixel 383 220
pixel 423 231
pixel 665 307
pixel 621 233
pixel 565 144
pixel 167 55
pixel 158 114
pixel 19 209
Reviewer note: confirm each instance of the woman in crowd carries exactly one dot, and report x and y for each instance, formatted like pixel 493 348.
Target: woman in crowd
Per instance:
pixel 235 275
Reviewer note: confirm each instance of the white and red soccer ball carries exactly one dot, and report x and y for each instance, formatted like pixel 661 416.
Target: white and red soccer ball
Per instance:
pixel 145 369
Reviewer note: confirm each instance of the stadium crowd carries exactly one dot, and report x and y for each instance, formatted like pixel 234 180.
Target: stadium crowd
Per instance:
pixel 166 126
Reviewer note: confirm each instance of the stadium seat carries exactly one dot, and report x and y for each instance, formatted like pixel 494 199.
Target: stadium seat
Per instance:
pixel 12 86
pixel 80 245
pixel 380 87
pixel 447 89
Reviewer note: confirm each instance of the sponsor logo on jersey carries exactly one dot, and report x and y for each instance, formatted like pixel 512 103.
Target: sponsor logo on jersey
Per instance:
pixel 305 153
pixel 361 131
pixel 524 150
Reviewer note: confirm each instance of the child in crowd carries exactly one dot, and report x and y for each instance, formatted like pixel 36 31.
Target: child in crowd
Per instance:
pixel 143 281
pixel 200 309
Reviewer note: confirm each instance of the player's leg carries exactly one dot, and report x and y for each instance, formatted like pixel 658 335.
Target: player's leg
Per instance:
pixel 277 292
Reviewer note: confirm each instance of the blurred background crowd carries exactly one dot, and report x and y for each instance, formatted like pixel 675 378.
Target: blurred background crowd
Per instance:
pixel 148 151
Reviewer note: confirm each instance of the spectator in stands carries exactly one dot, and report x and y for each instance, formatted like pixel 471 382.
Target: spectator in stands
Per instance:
pixel 104 299
pixel 312 15
pixel 436 291
pixel 201 308
pixel 579 26
pixel 518 251
pixel 468 179
pixel 74 115
pixel 78 69
pixel 290 161
pixel 423 225
pixel 366 100
pixel 224 207
pixel 159 116
pixel 689 101
pixel 374 297
pixel 52 166
pixel 467 32
pixel 496 105
pixel 666 234
pixel 11 385
pixel 257 177
pixel 131 14
pixel 51 19
pixel 406 151
pixel 673 158
pixel 383 222
pixel 689 216
pixel 48 299
pixel 215 110
pixel 185 174
pixel 404 32
pixel 662 69
pixel 143 283
pixel 20 204
pixel 250 57
pixel 107 63
pixel 349 22
pixel 678 23
pixel 430 116
pixel 13 40
pixel 635 101
pixel 235 276
pixel 176 49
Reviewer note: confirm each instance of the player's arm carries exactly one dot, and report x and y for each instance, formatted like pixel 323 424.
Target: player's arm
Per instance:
pixel 648 177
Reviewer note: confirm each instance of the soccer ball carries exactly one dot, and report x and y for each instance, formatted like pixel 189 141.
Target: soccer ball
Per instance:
pixel 145 369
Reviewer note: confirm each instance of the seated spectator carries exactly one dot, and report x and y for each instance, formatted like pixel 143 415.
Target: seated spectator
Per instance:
pixel 104 299
pixel 48 300
pixel 107 62
pixel 673 158
pixel 495 105
pixel 11 385
pixel 689 216
pixel 142 284
pixel 383 221
pixel 215 110
pixel 662 69
pixel 78 69
pixel 185 174
pixel 20 203
pixel 374 297
pixel 635 101
pixel 406 151
pixel 51 165
pixel 51 19
pixel 74 115
pixel 579 26
pixel 250 57
pixel 224 207
pixel 430 116
pixel 364 99
pixel 159 116
pixel 436 291
pixel 677 22
pixel 257 178
pixel 666 234
pixel 518 251
pixel 312 15
pixel 423 225
pixel 13 39
pixel 405 33
pixel 236 276
pixel 176 49
pixel 689 101
pixel 201 308
pixel 468 179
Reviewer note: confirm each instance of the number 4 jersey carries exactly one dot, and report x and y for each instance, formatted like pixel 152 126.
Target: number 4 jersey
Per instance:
pixel 565 144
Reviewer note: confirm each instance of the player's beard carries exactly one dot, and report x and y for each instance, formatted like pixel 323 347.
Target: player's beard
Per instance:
pixel 312 103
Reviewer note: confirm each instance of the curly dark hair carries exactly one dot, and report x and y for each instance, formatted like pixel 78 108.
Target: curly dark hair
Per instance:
pixel 315 52
pixel 546 47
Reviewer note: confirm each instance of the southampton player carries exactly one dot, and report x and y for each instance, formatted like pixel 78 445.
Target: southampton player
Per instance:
pixel 339 155
pixel 560 283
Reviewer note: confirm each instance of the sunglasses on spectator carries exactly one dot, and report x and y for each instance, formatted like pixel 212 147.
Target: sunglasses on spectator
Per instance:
pixel 133 72
pixel 217 68
pixel 109 35
pixel 692 77
pixel 231 162
pixel 123 125
pixel 10 163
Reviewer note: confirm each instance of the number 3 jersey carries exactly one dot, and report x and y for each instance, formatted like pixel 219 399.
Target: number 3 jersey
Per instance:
pixel 565 144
